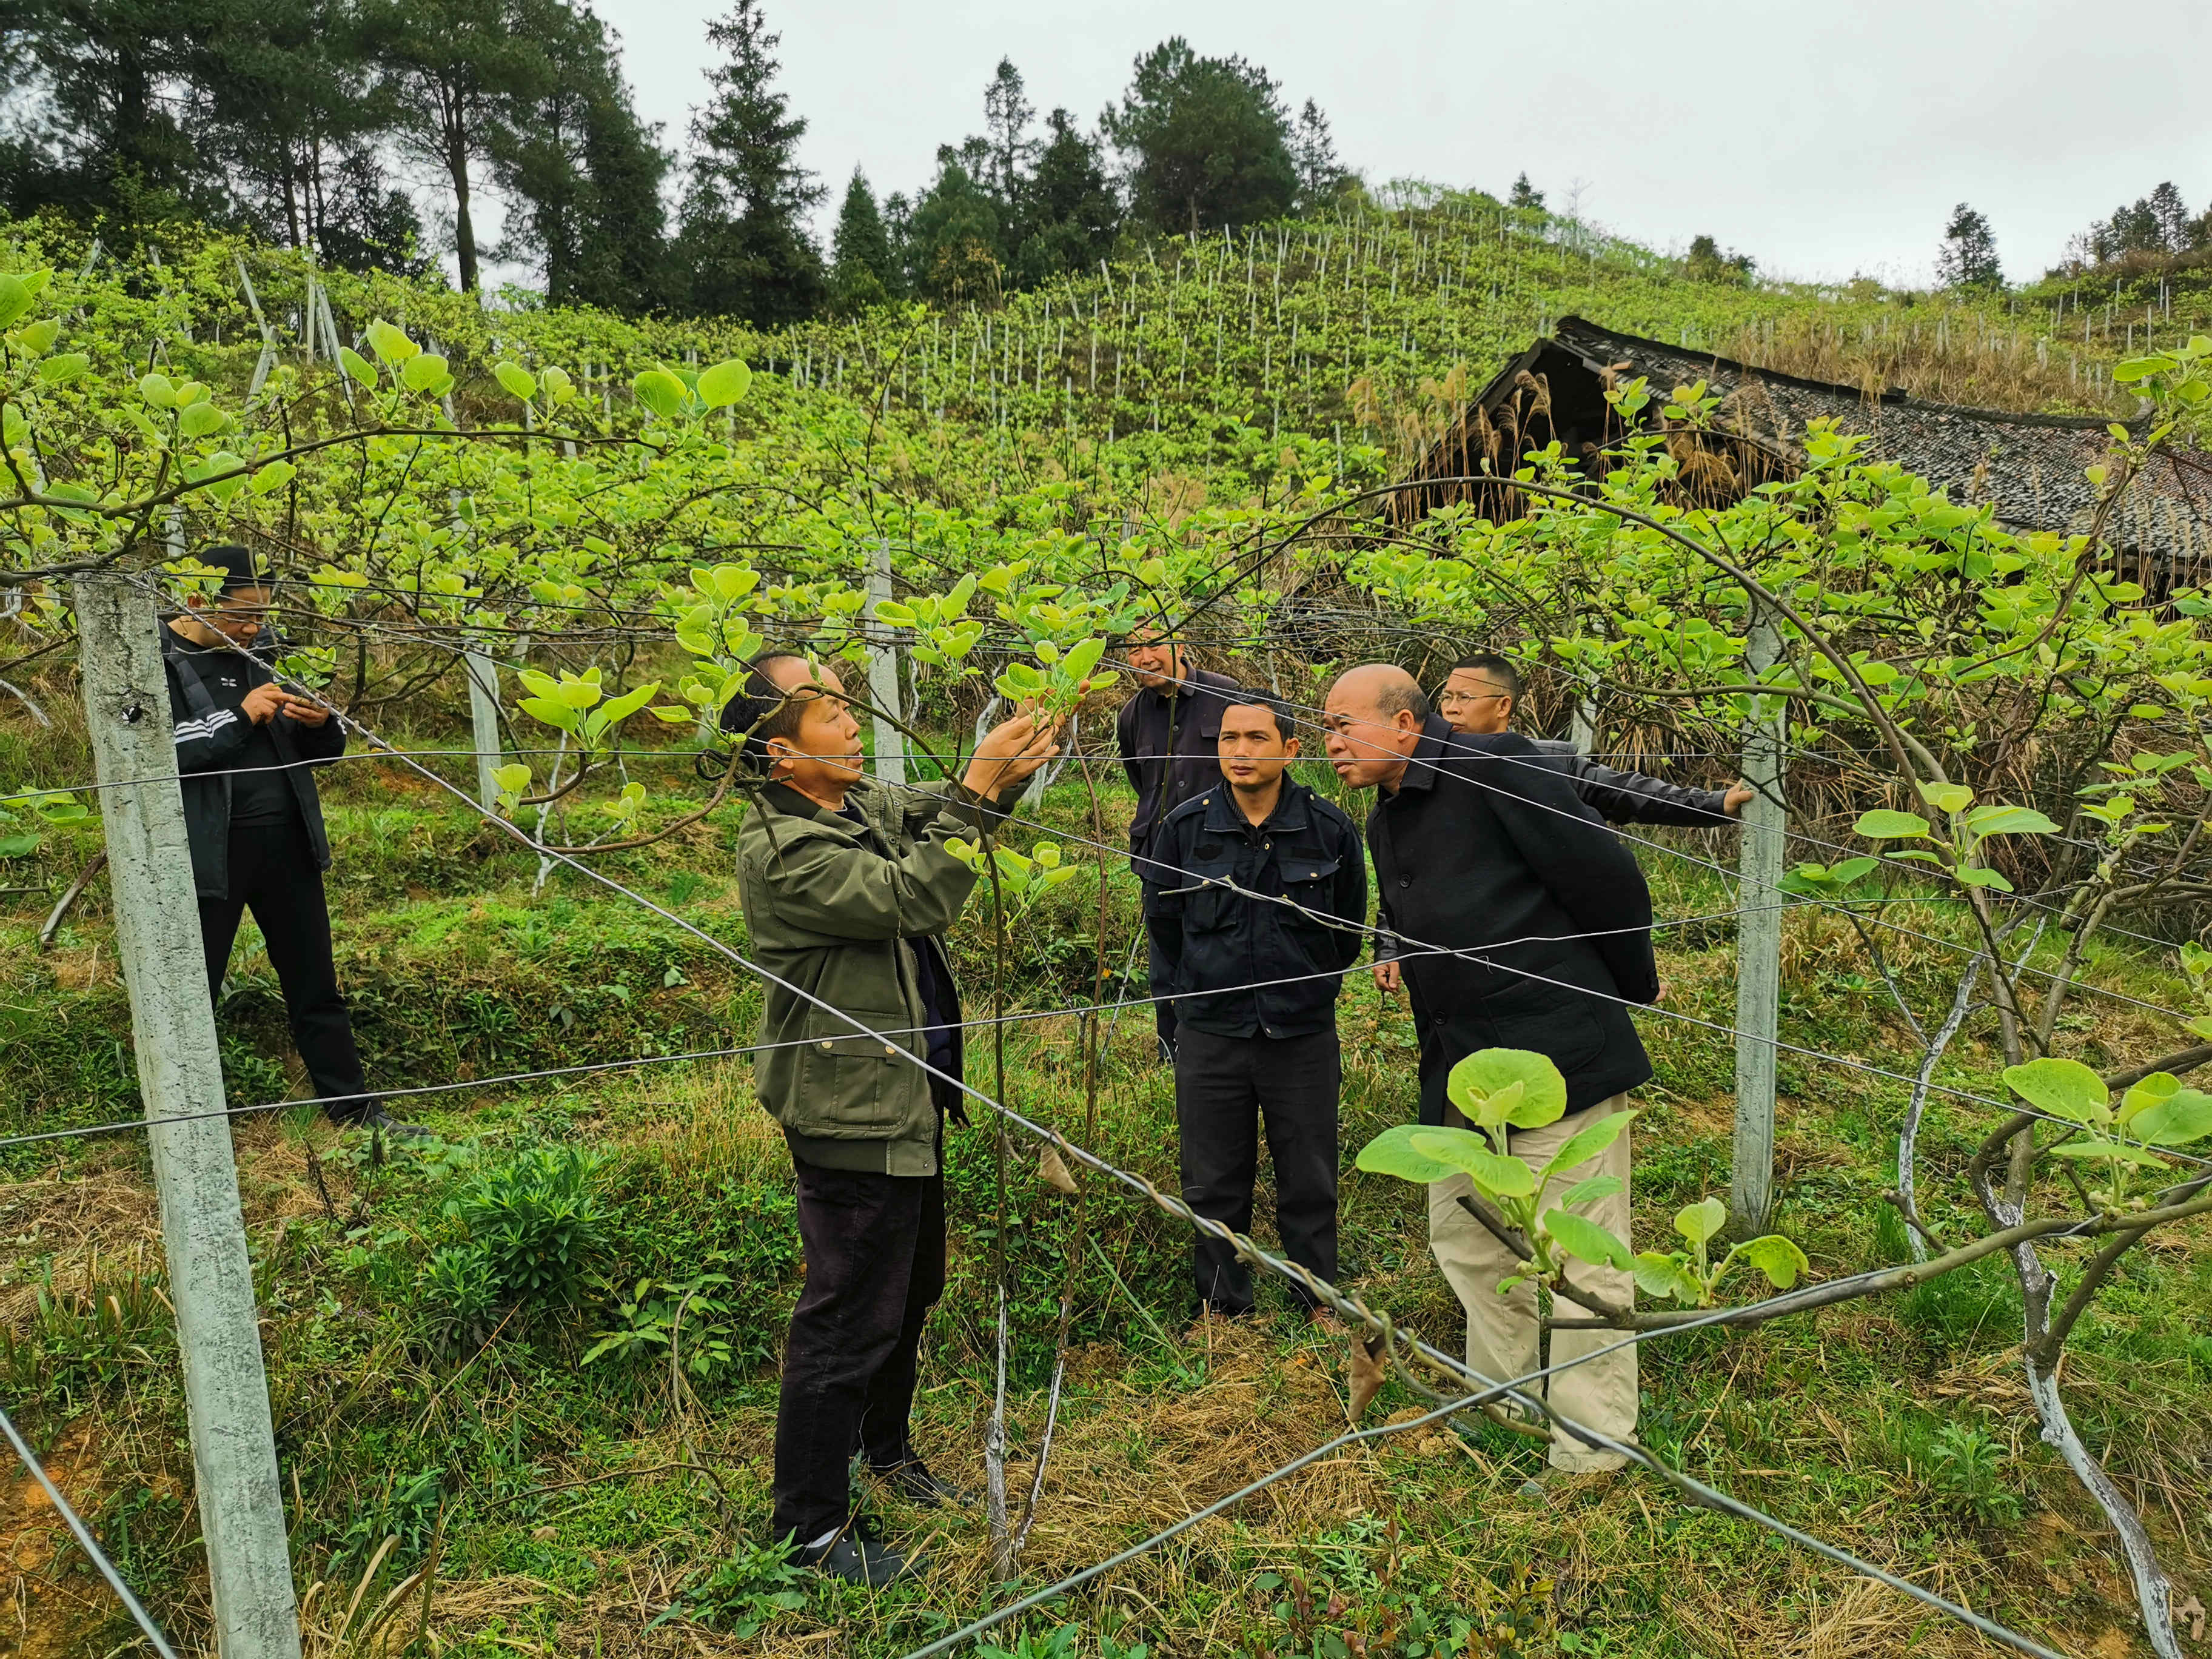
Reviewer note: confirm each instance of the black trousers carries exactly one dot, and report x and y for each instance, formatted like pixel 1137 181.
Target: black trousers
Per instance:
pixel 273 874
pixel 874 1246
pixel 1225 1088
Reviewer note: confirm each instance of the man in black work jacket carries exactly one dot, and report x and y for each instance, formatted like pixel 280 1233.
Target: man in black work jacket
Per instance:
pixel 1169 734
pixel 246 747
pixel 1546 914
pixel 1254 982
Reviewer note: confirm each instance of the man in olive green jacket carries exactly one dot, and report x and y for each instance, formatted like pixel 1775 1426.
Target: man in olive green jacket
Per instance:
pixel 847 887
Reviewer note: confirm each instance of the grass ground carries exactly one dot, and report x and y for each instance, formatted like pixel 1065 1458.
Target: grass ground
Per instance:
pixel 569 1501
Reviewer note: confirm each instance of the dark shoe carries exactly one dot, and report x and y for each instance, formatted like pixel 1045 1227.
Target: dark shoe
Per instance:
pixel 381 1125
pixel 856 1560
pixel 913 1482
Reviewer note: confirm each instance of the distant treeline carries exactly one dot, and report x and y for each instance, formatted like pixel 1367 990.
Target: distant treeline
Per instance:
pixel 306 121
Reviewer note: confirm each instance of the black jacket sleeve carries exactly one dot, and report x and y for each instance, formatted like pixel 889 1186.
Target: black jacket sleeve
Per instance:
pixel 209 742
pixel 1581 863
pixel 1632 798
pixel 1348 901
pixel 1125 738
pixel 1164 907
pixel 317 746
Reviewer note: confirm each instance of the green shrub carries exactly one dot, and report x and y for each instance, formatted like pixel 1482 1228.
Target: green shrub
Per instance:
pixel 538 1221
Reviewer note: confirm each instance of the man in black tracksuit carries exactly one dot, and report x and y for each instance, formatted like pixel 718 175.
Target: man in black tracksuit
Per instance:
pixel 1169 734
pixel 247 747
pixel 1243 1044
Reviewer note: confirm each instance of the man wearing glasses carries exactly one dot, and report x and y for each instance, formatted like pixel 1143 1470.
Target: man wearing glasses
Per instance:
pixel 1480 696
pixel 247 746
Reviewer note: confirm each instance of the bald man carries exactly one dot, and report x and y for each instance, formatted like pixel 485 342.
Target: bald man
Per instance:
pixel 1478 851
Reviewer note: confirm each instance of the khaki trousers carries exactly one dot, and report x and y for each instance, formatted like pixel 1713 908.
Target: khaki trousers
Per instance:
pixel 1501 1330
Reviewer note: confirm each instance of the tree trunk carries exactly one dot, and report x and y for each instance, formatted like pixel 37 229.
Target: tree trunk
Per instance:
pixel 457 164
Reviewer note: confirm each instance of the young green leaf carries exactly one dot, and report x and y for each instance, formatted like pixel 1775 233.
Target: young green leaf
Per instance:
pixel 519 382
pixel 1465 1152
pixel 2063 1088
pixel 1884 825
pixel 1782 1262
pixel 1586 1143
pixel 1393 1153
pixel 1582 1237
pixel 725 384
pixel 2178 1120
pixel 357 366
pixel 1592 1186
pixel 424 371
pixel 390 343
pixel 1999 820
pixel 659 392
pixel 1703 1221
pixel 1488 1071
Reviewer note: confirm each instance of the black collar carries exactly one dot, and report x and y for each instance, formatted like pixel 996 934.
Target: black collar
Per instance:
pixel 1223 817
pixel 1420 771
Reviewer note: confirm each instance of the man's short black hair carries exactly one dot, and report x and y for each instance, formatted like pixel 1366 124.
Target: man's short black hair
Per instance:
pixel 1287 724
pixel 1500 669
pixel 240 567
pixel 762 710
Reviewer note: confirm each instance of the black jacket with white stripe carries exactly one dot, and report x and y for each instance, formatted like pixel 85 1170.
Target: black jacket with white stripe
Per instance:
pixel 211 738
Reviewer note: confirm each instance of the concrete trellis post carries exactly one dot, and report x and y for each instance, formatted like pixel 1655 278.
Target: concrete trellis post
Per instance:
pixel 157 931
pixel 883 673
pixel 483 715
pixel 1758 946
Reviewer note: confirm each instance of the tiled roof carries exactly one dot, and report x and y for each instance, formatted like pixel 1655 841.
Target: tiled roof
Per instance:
pixel 2030 466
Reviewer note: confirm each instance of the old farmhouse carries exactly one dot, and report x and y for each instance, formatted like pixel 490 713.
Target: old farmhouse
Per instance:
pixel 2029 467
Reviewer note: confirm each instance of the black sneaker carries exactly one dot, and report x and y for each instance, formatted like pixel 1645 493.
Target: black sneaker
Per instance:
pixel 913 1482
pixel 378 1122
pixel 868 1562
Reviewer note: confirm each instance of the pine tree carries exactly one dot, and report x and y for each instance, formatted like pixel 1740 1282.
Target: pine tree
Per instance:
pixel 953 240
pixel 744 246
pixel 456 68
pixel 1525 194
pixel 1707 264
pixel 96 129
pixel 1206 140
pixel 1070 214
pixel 2171 214
pixel 1321 178
pixel 1968 257
pixel 585 175
pixel 1007 114
pixel 864 271
pixel 283 98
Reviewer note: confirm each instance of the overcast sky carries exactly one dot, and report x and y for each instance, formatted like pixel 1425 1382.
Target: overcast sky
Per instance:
pixel 1823 139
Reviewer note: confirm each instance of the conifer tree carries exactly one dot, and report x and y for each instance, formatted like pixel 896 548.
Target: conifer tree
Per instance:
pixel 744 247
pixel 1071 216
pixel 1206 140
pixel 1322 177
pixel 1968 256
pixel 584 174
pixel 863 269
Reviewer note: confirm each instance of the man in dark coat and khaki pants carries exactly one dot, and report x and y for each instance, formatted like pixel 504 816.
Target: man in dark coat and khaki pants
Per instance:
pixel 1477 851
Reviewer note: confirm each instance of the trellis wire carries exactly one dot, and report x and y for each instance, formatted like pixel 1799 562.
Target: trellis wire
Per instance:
pixel 86 1541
